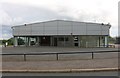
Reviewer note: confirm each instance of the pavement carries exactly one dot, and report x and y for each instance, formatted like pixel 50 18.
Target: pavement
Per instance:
pixel 61 66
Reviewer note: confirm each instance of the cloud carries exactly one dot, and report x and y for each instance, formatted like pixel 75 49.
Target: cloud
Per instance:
pixel 6 32
pixel 21 14
pixel 16 12
pixel 5 18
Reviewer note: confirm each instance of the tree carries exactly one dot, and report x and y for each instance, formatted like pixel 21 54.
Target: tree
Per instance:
pixel 10 41
pixel 0 42
pixel 112 40
pixel 3 42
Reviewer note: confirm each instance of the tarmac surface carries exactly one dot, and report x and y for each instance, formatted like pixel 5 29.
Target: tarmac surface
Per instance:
pixel 32 49
pixel 66 63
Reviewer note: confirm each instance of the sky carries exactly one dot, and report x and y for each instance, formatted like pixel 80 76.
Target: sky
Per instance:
pixel 19 12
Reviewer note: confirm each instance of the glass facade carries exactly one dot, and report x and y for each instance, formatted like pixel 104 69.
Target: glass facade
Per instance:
pixel 75 41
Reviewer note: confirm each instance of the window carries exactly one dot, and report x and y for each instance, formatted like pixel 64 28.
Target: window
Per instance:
pixel 66 39
pixel 75 38
pixel 61 39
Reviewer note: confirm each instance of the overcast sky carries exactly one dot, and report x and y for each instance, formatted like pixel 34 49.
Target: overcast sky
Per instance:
pixel 18 12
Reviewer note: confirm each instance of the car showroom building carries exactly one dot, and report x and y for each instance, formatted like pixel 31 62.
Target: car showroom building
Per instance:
pixel 62 33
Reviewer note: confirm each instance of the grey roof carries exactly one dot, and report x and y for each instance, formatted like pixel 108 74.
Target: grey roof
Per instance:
pixel 65 21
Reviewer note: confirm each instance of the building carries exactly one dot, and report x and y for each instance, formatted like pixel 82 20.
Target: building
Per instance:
pixel 62 33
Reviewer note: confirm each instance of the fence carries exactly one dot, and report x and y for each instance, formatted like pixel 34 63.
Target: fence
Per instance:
pixel 58 53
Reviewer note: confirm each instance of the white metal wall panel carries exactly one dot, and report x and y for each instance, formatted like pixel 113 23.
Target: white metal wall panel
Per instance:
pixel 93 27
pixel 79 32
pixel 105 28
pixel 65 23
pixel 93 32
pixel 105 32
pixel 22 30
pixel 50 28
pixel 79 28
pixel 64 28
pixel 15 30
pixel 37 29
pixel 27 30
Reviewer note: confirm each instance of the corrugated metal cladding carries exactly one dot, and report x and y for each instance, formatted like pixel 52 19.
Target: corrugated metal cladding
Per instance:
pixel 61 27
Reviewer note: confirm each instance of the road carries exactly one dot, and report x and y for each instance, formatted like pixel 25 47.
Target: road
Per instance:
pixel 55 49
pixel 109 60
pixel 50 49
pixel 102 73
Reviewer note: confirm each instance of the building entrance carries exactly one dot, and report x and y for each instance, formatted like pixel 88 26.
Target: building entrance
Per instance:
pixel 55 41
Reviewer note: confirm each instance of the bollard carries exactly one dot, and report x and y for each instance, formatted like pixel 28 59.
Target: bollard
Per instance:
pixel 57 56
pixel 92 55
pixel 24 57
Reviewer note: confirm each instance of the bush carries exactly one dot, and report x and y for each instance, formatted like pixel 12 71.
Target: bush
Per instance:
pixel 10 41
